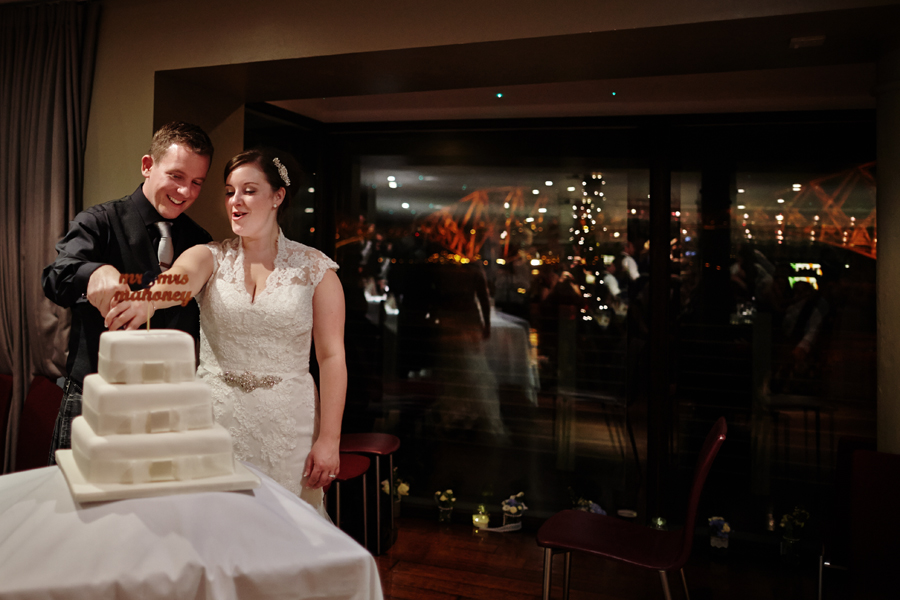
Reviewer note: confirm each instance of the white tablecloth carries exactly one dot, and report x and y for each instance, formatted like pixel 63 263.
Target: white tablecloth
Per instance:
pixel 265 543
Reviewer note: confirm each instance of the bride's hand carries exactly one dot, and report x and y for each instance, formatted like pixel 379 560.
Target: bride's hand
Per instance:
pixel 324 460
pixel 129 314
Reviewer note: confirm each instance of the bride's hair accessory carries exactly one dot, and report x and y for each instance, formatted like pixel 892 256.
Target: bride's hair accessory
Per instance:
pixel 282 171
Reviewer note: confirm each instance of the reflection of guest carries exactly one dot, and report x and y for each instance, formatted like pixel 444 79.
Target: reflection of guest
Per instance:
pixel 562 303
pixel 126 236
pixel 511 282
pixel 625 269
pixel 263 298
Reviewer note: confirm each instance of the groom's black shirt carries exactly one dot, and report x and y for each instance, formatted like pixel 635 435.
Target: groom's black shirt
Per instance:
pixel 120 233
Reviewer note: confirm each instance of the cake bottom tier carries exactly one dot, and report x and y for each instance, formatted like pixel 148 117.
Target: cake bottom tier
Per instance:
pixel 149 457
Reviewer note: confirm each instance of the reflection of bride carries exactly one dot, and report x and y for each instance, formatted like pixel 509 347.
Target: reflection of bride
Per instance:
pixel 468 388
pixel 263 298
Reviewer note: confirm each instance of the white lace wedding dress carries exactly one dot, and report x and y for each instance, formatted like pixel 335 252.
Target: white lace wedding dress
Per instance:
pixel 254 353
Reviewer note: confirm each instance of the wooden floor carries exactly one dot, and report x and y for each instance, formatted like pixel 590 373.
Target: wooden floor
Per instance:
pixel 450 562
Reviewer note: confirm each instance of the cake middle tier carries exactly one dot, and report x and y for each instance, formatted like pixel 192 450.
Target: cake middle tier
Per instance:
pixel 145 407
pixel 146 457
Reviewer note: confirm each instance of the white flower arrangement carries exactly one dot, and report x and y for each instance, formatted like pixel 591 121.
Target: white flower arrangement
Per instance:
pixel 401 488
pixel 514 505
pixel 588 506
pixel 444 499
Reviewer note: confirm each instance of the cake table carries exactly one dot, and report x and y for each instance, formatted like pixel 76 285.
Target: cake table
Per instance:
pixel 262 543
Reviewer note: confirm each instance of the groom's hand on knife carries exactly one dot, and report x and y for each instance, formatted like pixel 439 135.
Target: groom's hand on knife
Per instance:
pixel 128 314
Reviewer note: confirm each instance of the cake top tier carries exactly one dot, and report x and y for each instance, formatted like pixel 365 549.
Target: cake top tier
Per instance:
pixel 146 356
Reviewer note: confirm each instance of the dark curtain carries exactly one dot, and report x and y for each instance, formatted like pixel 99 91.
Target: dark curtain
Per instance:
pixel 46 70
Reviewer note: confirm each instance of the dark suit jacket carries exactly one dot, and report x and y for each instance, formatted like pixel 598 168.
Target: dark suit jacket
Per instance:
pixel 118 233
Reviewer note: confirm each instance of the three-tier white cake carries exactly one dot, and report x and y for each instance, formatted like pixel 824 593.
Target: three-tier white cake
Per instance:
pixel 147 425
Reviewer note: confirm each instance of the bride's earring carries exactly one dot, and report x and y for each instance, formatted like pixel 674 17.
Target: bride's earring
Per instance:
pixel 274 206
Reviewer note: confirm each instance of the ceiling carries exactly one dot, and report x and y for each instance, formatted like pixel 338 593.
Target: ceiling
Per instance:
pixel 744 65
pixel 803 88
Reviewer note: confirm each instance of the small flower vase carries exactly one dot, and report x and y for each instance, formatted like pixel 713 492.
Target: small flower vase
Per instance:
pixel 480 520
pixel 719 544
pixel 789 547
pixel 509 519
pixel 444 514
pixel 790 555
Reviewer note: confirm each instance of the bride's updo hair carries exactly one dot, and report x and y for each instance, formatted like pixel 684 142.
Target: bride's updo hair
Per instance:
pixel 279 167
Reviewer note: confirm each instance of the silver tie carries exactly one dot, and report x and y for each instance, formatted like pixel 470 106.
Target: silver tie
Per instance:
pixel 166 252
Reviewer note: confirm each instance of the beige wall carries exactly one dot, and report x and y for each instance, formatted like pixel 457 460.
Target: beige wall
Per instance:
pixel 140 37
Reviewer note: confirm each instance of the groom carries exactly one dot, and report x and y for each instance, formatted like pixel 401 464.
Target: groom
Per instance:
pixel 131 239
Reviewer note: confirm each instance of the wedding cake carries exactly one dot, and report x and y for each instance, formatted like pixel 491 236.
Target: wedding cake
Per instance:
pixel 147 422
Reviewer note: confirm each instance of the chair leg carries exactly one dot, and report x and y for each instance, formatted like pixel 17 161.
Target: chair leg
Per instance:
pixel 391 478
pixel 637 458
pixel 548 569
pixel 821 568
pixel 687 594
pixel 365 515
pixel 337 502
pixel 378 506
pixel 665 584
pixel 566 571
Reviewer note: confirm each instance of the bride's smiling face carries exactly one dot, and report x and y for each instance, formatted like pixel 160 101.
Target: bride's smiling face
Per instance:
pixel 252 203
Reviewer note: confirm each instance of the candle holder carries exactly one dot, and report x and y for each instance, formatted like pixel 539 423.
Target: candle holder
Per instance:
pixel 480 519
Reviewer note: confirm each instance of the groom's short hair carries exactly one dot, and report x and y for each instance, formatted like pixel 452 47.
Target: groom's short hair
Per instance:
pixel 188 135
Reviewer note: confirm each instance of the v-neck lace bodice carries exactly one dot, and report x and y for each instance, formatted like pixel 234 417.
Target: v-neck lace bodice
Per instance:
pixel 267 337
pixel 270 333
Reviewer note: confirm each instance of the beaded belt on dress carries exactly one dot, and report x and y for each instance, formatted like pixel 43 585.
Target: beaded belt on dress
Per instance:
pixel 249 381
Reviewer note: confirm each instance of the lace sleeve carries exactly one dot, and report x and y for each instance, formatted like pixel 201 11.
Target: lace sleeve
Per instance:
pixel 321 264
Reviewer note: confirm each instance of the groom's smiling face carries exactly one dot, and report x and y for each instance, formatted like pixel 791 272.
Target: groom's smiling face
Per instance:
pixel 173 182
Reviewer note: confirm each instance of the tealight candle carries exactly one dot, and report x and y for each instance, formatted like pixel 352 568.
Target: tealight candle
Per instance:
pixel 480 521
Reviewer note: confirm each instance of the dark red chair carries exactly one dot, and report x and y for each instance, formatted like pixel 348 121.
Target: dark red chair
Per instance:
pixel 624 541
pixel 6 383
pixel 874 529
pixel 36 423
pixel 352 466
pixel 379 445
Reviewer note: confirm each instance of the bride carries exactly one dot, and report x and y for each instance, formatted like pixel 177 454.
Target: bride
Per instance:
pixel 263 299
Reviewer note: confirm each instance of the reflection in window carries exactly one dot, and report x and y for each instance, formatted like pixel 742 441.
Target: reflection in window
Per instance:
pixel 795 358
pixel 497 301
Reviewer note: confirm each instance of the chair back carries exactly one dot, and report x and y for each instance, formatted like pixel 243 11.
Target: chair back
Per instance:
pixel 36 423
pixel 708 452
